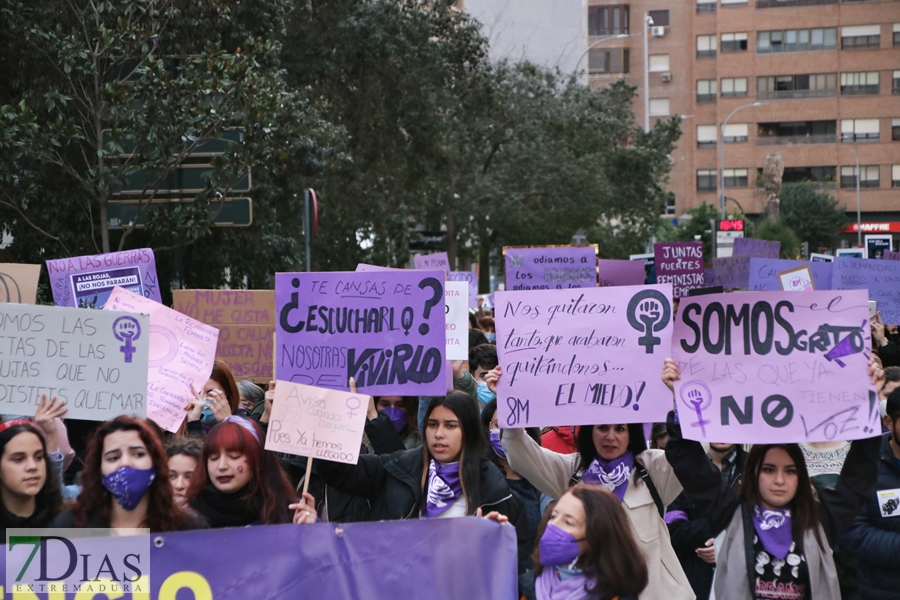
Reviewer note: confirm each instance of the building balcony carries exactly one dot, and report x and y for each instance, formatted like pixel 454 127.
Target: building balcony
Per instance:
pixel 790 140
pixel 795 94
pixel 784 3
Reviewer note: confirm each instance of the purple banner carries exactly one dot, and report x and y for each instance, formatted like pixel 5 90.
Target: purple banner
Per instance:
pixel 620 272
pixel 766 367
pixel 471 278
pixel 880 277
pixel 578 357
pixel 891 255
pixel 383 328
pixel 732 272
pixel 87 281
pixel 755 248
pixel 681 264
pixel 764 273
pixel 431 262
pixel 547 268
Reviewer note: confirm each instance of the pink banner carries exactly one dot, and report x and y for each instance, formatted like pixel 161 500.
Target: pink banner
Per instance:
pixel 767 367
pixel 583 356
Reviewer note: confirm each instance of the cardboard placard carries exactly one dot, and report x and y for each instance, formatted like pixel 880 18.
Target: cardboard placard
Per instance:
pixel 18 283
pixel 432 262
pixel 764 273
pixel 619 272
pixel 457 319
pixel 88 281
pixel 732 272
pixel 471 278
pixel 755 248
pixel 880 277
pixel 550 267
pixel 798 279
pixel 681 264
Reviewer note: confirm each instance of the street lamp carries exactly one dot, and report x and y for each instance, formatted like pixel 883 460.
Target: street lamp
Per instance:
pixel 621 36
pixel 648 21
pixel 858 219
pixel 722 154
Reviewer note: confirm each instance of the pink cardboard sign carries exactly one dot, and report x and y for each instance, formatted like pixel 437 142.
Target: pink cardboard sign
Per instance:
pixel 317 422
pixel 431 262
pixel 182 352
pixel 583 356
pixel 620 272
pixel 766 367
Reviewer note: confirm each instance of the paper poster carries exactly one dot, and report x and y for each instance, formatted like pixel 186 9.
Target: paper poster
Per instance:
pixel 579 357
pixel 386 329
pixel 889 255
pixel 851 252
pixel 816 257
pixel 775 367
pixel 551 268
pixel 877 245
pixel 756 248
pixel 88 281
pixel 880 277
pixel 432 262
pixel 95 362
pixel 732 272
pixel 620 272
pixel 18 283
pixel 471 277
pixel 798 279
pixel 457 320
pixel 317 422
pixel 182 352
pixel 246 323
pixel 681 264
pixel 764 273
pixel 709 277
pixel 889 502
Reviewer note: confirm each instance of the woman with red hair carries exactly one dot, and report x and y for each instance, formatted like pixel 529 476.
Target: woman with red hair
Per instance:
pixel 125 483
pixel 237 483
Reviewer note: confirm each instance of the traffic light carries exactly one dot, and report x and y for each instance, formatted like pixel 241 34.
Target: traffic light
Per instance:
pixel 804 250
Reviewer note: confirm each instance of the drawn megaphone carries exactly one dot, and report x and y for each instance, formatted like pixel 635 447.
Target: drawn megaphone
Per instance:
pixel 852 344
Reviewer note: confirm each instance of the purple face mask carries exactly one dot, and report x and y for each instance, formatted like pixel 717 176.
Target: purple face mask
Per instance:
pixel 495 443
pixel 398 417
pixel 558 547
pixel 128 485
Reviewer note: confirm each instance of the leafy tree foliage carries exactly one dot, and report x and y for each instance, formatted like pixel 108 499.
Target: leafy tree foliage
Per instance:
pixel 814 215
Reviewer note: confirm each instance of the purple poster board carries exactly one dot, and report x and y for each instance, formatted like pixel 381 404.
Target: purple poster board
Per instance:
pixel 765 367
pixel 87 281
pixel 732 272
pixel 472 279
pixel 383 328
pixel 364 268
pixel 764 273
pixel 558 268
pixel 891 255
pixel 620 272
pixel 756 248
pixel 681 264
pixel 709 277
pixel 579 357
pixel 430 262
pixel 880 277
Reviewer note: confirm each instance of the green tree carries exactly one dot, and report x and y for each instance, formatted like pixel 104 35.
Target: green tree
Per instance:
pixel 814 215
pixel 779 231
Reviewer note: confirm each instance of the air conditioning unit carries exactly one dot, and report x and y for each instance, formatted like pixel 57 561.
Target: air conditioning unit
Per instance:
pixel 665 77
pixel 658 31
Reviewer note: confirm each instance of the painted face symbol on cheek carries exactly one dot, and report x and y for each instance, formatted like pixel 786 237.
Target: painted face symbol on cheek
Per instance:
pixel 240 469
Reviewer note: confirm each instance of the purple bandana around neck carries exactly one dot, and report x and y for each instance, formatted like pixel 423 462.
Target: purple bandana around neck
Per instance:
pixel 611 474
pixel 774 530
pixel 550 586
pixel 444 487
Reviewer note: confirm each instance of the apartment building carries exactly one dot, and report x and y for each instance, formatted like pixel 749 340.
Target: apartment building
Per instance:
pixel 825 75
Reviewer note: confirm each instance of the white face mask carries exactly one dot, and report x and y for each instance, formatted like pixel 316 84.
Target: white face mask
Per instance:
pixel 882 407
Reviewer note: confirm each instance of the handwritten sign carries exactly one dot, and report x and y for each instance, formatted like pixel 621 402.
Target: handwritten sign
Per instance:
pixel 764 273
pixel 732 272
pixel 756 248
pixel 88 281
pixel 457 319
pixel 681 264
pixel 246 323
pixel 891 255
pixel 18 283
pixel 386 329
pixel 880 277
pixel 816 257
pixel 316 422
pixel 471 278
pixel 551 268
pixel 765 367
pixel 93 361
pixel 364 268
pixel 182 352
pixel 431 262
pixel 620 272
pixel 580 357
pixel 798 279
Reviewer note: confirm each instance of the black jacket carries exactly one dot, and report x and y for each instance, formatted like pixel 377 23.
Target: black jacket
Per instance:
pixel 875 540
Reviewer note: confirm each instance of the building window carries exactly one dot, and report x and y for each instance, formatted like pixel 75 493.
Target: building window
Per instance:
pixel 608 20
pixel 734 86
pixel 895 83
pixel 735 132
pixel 859 130
pixel 659 63
pixel 896 34
pixel 785 3
pixel 869 176
pixel 861 36
pixel 735 178
pixel 779 87
pixel 795 132
pixel 670 204
pixel 660 18
pixel 863 83
pixel 733 3
pixel 706 90
pixel 706 180
pixel 604 61
pixel 659 107
pixel 895 130
pixel 895 176
pixel 706 136
pixel 815 174
pixel 705 6
pixel 706 46
pixel 796 40
pixel 734 42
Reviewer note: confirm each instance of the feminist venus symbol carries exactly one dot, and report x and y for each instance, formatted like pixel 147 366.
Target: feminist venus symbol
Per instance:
pixel 697 395
pixel 127 329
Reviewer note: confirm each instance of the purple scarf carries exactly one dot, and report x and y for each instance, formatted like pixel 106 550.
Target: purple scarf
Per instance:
pixel 610 474
pixel 774 530
pixel 550 586
pixel 444 487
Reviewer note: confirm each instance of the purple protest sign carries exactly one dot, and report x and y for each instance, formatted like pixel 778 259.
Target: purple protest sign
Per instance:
pixel 584 356
pixel 383 328
pixel 430 262
pixel 87 281
pixel 756 248
pixel 880 277
pixel 764 273
pixel 548 268
pixel 709 277
pixel 620 272
pixel 364 268
pixel 732 272
pixel 681 264
pixel 891 255
pixel 471 278
pixel 766 367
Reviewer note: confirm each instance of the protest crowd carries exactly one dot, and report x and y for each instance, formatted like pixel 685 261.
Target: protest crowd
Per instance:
pixel 749 492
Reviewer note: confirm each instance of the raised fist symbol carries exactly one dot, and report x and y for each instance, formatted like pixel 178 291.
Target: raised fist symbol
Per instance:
pixel 649 308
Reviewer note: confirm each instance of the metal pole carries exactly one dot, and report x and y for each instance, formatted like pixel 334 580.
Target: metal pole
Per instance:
pixel 858 214
pixel 647 21
pixel 598 42
pixel 722 155
pixel 307 229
